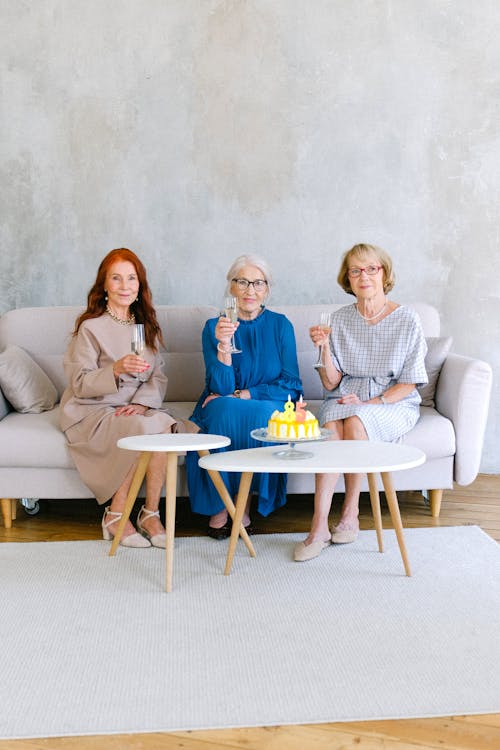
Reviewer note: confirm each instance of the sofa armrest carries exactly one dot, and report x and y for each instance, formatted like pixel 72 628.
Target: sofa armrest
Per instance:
pixel 463 396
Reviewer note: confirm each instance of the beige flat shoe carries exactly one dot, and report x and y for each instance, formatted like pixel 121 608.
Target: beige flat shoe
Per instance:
pixel 303 552
pixel 344 536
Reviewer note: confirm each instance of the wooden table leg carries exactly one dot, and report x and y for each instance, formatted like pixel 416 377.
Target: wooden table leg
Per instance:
pixel 228 502
pixel 241 501
pixel 170 505
pixel 375 502
pixel 392 502
pixel 135 486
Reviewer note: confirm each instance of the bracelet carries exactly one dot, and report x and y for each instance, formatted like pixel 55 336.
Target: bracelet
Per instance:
pixel 222 351
pixel 383 400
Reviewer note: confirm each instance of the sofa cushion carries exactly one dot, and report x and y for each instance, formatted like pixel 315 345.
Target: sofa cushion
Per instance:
pixel 180 409
pixel 33 440
pixel 186 375
pixel 437 351
pixel 433 434
pixel 24 383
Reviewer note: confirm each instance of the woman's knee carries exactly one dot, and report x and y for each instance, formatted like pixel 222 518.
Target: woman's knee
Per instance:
pixel 354 429
pixel 336 428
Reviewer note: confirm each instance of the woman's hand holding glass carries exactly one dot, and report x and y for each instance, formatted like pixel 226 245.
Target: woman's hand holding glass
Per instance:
pixel 130 364
pixel 320 335
pixel 133 364
pixel 138 345
pixel 227 325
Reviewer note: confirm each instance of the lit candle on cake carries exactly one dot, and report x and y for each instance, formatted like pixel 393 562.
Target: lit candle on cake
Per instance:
pixel 300 410
pixel 289 410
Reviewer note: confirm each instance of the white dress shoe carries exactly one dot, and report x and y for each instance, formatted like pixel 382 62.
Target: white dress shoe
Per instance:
pixel 303 552
pixel 157 540
pixel 132 540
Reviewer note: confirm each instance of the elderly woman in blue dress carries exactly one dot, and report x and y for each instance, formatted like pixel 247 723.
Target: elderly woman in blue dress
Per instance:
pixel 373 364
pixel 243 389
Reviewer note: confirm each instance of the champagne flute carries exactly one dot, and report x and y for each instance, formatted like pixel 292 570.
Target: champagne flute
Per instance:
pixel 326 326
pixel 231 312
pixel 138 344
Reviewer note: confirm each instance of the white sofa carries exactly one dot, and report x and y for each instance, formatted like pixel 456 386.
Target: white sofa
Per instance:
pixel 35 463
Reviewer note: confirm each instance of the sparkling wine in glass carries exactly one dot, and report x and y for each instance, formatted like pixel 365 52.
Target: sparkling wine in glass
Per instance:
pixel 138 344
pixel 231 312
pixel 325 323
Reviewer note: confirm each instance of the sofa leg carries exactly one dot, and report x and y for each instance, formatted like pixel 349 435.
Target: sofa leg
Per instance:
pixel 8 511
pixel 435 497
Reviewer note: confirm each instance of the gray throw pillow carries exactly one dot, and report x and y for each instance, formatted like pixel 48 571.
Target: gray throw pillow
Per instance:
pixel 24 383
pixel 437 351
pixel 4 406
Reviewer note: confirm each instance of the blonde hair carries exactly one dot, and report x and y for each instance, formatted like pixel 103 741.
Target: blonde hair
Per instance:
pixel 360 251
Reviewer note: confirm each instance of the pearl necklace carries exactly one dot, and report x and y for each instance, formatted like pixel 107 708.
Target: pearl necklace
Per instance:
pixel 373 316
pixel 123 321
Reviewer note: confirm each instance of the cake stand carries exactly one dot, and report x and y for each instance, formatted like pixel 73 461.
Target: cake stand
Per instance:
pixel 291 453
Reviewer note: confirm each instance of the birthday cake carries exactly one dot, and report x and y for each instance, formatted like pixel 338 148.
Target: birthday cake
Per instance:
pixel 294 423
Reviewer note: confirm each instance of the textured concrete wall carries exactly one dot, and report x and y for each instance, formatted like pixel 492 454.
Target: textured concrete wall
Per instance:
pixel 193 130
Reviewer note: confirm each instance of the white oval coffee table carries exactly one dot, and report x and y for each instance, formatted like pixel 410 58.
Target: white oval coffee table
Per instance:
pixel 329 457
pixel 173 445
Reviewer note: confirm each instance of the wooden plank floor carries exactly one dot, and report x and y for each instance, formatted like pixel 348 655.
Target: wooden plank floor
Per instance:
pixel 478 504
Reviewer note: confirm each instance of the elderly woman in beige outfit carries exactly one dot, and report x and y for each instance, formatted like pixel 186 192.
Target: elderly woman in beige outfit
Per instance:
pixel 105 399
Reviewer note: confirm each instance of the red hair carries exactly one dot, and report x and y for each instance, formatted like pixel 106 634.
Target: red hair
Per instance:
pixel 142 308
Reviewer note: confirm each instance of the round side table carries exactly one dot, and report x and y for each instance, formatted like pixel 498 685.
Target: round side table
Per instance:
pixel 173 445
pixel 329 457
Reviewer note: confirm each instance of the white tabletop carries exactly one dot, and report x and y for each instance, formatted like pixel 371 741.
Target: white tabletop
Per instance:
pixel 332 456
pixel 178 442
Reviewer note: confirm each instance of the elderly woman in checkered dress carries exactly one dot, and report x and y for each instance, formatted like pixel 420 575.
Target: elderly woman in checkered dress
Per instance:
pixel 371 371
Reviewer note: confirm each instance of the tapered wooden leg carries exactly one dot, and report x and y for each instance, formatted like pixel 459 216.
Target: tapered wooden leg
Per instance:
pixel 228 502
pixel 14 509
pixel 6 503
pixel 392 502
pixel 241 501
pixel 435 497
pixel 170 506
pixel 131 498
pixel 377 515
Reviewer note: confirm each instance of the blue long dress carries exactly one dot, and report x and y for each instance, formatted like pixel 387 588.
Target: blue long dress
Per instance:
pixel 268 368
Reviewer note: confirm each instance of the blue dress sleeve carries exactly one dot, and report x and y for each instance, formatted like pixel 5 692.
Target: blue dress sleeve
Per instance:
pixel 288 381
pixel 219 378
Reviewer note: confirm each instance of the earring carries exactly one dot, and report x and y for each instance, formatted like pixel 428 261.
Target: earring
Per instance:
pixel 137 299
pixel 105 296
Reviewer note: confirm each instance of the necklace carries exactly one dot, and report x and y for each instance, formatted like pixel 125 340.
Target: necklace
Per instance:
pixel 123 321
pixel 373 316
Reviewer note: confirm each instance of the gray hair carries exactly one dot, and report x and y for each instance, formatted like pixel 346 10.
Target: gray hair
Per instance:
pixel 249 260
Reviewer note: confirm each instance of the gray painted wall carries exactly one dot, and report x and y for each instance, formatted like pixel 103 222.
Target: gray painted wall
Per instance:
pixel 194 130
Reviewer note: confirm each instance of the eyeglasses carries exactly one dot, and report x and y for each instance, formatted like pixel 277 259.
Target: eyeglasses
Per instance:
pixel 355 273
pixel 259 285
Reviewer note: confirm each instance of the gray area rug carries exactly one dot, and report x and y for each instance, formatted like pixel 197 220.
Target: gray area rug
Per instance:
pixel 93 645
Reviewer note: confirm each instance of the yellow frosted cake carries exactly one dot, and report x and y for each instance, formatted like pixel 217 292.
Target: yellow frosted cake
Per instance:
pixel 294 423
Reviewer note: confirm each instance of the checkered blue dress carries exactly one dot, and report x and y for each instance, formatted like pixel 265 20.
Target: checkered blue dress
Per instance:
pixel 372 358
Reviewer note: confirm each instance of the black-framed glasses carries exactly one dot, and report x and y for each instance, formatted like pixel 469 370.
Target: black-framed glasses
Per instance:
pixel 259 284
pixel 355 273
